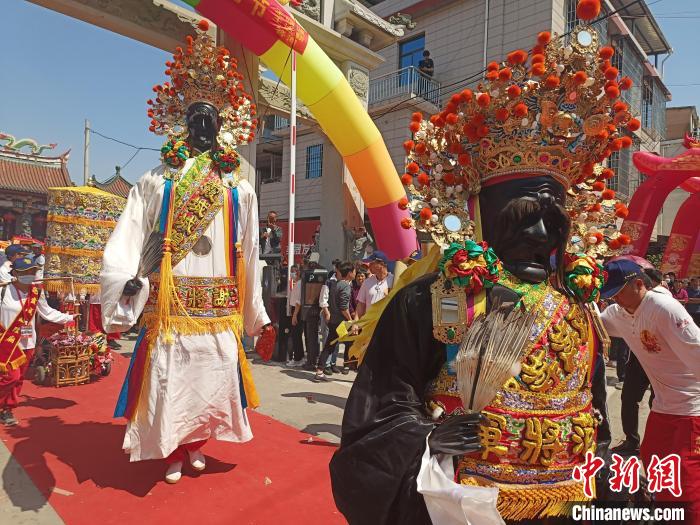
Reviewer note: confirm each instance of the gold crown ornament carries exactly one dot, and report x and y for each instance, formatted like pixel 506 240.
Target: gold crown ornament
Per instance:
pixel 202 72
pixel 552 111
pixel 596 214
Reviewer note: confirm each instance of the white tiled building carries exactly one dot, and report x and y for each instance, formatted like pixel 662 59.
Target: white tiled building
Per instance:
pixel 461 44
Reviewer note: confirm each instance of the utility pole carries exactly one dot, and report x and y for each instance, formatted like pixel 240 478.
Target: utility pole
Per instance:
pixel 86 153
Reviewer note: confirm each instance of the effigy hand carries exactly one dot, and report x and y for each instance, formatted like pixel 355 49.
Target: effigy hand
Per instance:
pixel 132 287
pixel 457 435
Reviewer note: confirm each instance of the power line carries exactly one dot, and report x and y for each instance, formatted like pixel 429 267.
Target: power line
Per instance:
pixel 130 159
pixel 122 142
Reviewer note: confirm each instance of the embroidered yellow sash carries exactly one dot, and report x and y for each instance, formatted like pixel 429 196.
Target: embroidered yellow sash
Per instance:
pixel 11 355
pixel 199 196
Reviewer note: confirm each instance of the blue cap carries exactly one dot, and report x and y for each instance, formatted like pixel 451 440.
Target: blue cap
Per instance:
pixel 620 272
pixel 15 249
pixel 377 256
pixel 24 263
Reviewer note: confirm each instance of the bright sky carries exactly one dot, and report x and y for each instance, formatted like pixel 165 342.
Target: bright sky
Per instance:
pixel 56 71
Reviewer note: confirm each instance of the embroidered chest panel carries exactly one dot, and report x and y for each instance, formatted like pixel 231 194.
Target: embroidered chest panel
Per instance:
pixel 540 423
pixel 199 196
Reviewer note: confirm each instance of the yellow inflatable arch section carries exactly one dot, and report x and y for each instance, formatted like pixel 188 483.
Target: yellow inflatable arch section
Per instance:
pixel 266 28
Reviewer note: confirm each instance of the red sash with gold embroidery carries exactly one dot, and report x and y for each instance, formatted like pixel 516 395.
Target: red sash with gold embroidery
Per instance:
pixel 11 355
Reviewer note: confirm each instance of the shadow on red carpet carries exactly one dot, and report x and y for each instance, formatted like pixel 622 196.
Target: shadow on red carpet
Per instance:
pixel 71 448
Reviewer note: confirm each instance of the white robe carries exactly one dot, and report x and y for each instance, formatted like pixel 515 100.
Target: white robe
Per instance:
pixel 192 391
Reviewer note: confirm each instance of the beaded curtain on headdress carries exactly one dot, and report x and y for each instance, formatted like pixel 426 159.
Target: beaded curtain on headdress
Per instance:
pixel 552 111
pixel 203 72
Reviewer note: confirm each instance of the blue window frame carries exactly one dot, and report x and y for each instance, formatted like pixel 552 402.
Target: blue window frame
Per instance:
pixel 314 161
pixel 411 52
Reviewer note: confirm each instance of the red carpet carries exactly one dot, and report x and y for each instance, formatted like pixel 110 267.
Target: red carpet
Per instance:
pixel 67 440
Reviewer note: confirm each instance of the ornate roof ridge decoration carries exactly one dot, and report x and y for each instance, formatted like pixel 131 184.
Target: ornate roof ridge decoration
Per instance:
pixel 373 18
pixel 115 185
pixel 30 157
pixel 402 19
pixel 11 143
pixel 278 96
pixel 111 180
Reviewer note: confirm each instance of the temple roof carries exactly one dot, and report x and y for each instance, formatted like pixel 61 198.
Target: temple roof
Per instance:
pixel 32 173
pixel 117 185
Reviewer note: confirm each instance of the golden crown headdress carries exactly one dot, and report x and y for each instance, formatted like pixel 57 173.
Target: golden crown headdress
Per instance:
pixel 552 111
pixel 596 214
pixel 203 72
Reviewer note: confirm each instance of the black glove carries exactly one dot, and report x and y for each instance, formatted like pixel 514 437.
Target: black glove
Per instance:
pixel 457 435
pixel 132 287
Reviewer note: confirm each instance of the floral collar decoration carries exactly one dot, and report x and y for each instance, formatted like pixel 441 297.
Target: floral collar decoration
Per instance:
pixel 472 266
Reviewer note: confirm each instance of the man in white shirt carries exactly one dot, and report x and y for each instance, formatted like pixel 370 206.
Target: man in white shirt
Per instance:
pixel 663 336
pixel 377 286
pixel 294 300
pixel 12 252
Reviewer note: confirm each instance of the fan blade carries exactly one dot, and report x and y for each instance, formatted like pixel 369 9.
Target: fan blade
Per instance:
pixel 151 254
pixel 493 344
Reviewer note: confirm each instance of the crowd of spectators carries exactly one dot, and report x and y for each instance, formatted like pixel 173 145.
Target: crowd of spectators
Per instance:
pixel 316 310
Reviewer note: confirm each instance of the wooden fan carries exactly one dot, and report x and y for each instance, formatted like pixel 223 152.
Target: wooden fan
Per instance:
pixel 490 353
pixel 151 255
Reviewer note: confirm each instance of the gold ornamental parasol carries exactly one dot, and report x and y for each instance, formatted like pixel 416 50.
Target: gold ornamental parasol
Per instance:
pixel 79 223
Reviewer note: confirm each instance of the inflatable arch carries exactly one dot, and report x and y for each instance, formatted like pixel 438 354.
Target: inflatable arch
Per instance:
pixel 665 174
pixel 265 28
pixel 684 234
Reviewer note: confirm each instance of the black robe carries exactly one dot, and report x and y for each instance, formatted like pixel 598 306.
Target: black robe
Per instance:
pixel 386 424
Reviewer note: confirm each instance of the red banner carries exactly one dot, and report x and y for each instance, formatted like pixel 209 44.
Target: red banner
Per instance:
pixel 304 237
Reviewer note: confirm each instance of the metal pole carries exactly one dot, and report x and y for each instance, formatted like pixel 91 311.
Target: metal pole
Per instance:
pixel 486 30
pixel 292 173
pixel 86 154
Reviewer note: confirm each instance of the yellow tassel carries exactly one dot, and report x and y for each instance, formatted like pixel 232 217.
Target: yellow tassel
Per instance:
pixel 521 502
pixel 186 325
pixel 251 393
pixel 64 286
pixel 240 274
pixel 167 289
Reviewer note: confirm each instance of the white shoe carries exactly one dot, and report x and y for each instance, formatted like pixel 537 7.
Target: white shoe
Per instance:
pixel 298 364
pixel 290 363
pixel 197 460
pixel 174 472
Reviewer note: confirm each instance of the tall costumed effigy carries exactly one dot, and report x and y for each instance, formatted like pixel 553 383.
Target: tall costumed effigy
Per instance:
pixel 184 257
pixel 482 388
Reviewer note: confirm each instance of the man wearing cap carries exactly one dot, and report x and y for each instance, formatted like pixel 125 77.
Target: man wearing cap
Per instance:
pixel 663 336
pixel 12 252
pixel 19 303
pixel 376 287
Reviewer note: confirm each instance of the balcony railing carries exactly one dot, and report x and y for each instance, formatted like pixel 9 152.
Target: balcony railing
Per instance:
pixel 406 82
pixel 274 123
